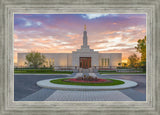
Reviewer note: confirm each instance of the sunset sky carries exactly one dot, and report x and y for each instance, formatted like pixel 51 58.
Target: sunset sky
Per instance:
pixel 63 33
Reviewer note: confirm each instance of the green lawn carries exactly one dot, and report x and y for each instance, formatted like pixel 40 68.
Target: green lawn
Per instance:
pixel 43 72
pixel 122 72
pixel 61 81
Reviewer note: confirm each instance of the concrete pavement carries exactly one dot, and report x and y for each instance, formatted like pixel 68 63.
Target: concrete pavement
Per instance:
pixel 25 89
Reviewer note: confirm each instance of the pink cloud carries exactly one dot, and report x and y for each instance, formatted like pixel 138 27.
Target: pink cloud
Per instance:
pixel 62 35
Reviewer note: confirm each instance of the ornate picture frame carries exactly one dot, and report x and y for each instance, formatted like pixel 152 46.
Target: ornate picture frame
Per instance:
pixel 149 107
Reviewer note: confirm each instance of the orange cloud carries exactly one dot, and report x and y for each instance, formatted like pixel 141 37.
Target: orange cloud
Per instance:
pixel 64 35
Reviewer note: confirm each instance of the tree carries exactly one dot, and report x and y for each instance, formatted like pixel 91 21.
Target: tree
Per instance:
pixel 133 60
pixel 119 64
pixel 141 48
pixel 35 59
pixel 124 64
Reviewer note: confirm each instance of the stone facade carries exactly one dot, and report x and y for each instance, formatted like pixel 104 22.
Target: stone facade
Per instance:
pixel 109 59
pixel 73 59
pixel 54 59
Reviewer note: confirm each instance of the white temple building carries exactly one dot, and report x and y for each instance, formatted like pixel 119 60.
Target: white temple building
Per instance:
pixel 82 58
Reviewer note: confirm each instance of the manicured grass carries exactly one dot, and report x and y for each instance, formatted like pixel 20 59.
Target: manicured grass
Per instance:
pixel 122 72
pixel 61 81
pixel 114 72
pixel 43 72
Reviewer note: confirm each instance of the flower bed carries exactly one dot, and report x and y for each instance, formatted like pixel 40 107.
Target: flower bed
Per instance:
pixel 87 81
pixel 108 82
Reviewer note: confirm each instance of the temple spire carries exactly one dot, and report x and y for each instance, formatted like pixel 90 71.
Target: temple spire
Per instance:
pixel 85 27
pixel 85 37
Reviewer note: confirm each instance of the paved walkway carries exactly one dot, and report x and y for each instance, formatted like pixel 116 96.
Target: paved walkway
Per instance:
pixel 27 90
pixel 88 96
pixel 62 95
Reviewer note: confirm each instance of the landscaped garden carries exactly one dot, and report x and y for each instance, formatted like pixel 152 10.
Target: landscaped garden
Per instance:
pixel 40 70
pixel 74 81
pixel 122 70
pixel 114 72
pixel 52 71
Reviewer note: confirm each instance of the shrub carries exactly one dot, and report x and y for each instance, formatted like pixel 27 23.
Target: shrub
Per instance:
pixel 88 78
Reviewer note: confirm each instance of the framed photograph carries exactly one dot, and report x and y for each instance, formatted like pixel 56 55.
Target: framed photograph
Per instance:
pixel 80 57
pixel 69 65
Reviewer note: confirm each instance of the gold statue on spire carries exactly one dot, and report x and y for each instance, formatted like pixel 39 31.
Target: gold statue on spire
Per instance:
pixel 85 27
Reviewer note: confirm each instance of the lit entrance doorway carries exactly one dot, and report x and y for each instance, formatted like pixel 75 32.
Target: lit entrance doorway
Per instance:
pixel 85 62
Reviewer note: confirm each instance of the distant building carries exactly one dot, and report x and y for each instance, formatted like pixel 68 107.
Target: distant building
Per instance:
pixel 82 58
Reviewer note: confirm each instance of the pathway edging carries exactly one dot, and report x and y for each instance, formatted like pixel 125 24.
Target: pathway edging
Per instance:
pixel 48 84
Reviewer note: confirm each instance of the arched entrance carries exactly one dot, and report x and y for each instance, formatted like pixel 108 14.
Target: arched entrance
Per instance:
pixel 85 62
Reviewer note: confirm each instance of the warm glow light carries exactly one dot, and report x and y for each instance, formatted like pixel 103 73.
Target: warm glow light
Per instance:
pixel 124 61
pixel 53 33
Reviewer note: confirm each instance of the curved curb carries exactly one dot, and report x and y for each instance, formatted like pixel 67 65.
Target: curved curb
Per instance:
pixel 48 84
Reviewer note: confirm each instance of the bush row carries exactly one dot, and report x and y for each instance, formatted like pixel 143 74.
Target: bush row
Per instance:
pixel 41 71
pixel 107 71
pixel 33 68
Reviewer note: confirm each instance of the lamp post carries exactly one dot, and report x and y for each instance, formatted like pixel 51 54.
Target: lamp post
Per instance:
pixel 94 68
pixel 75 66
